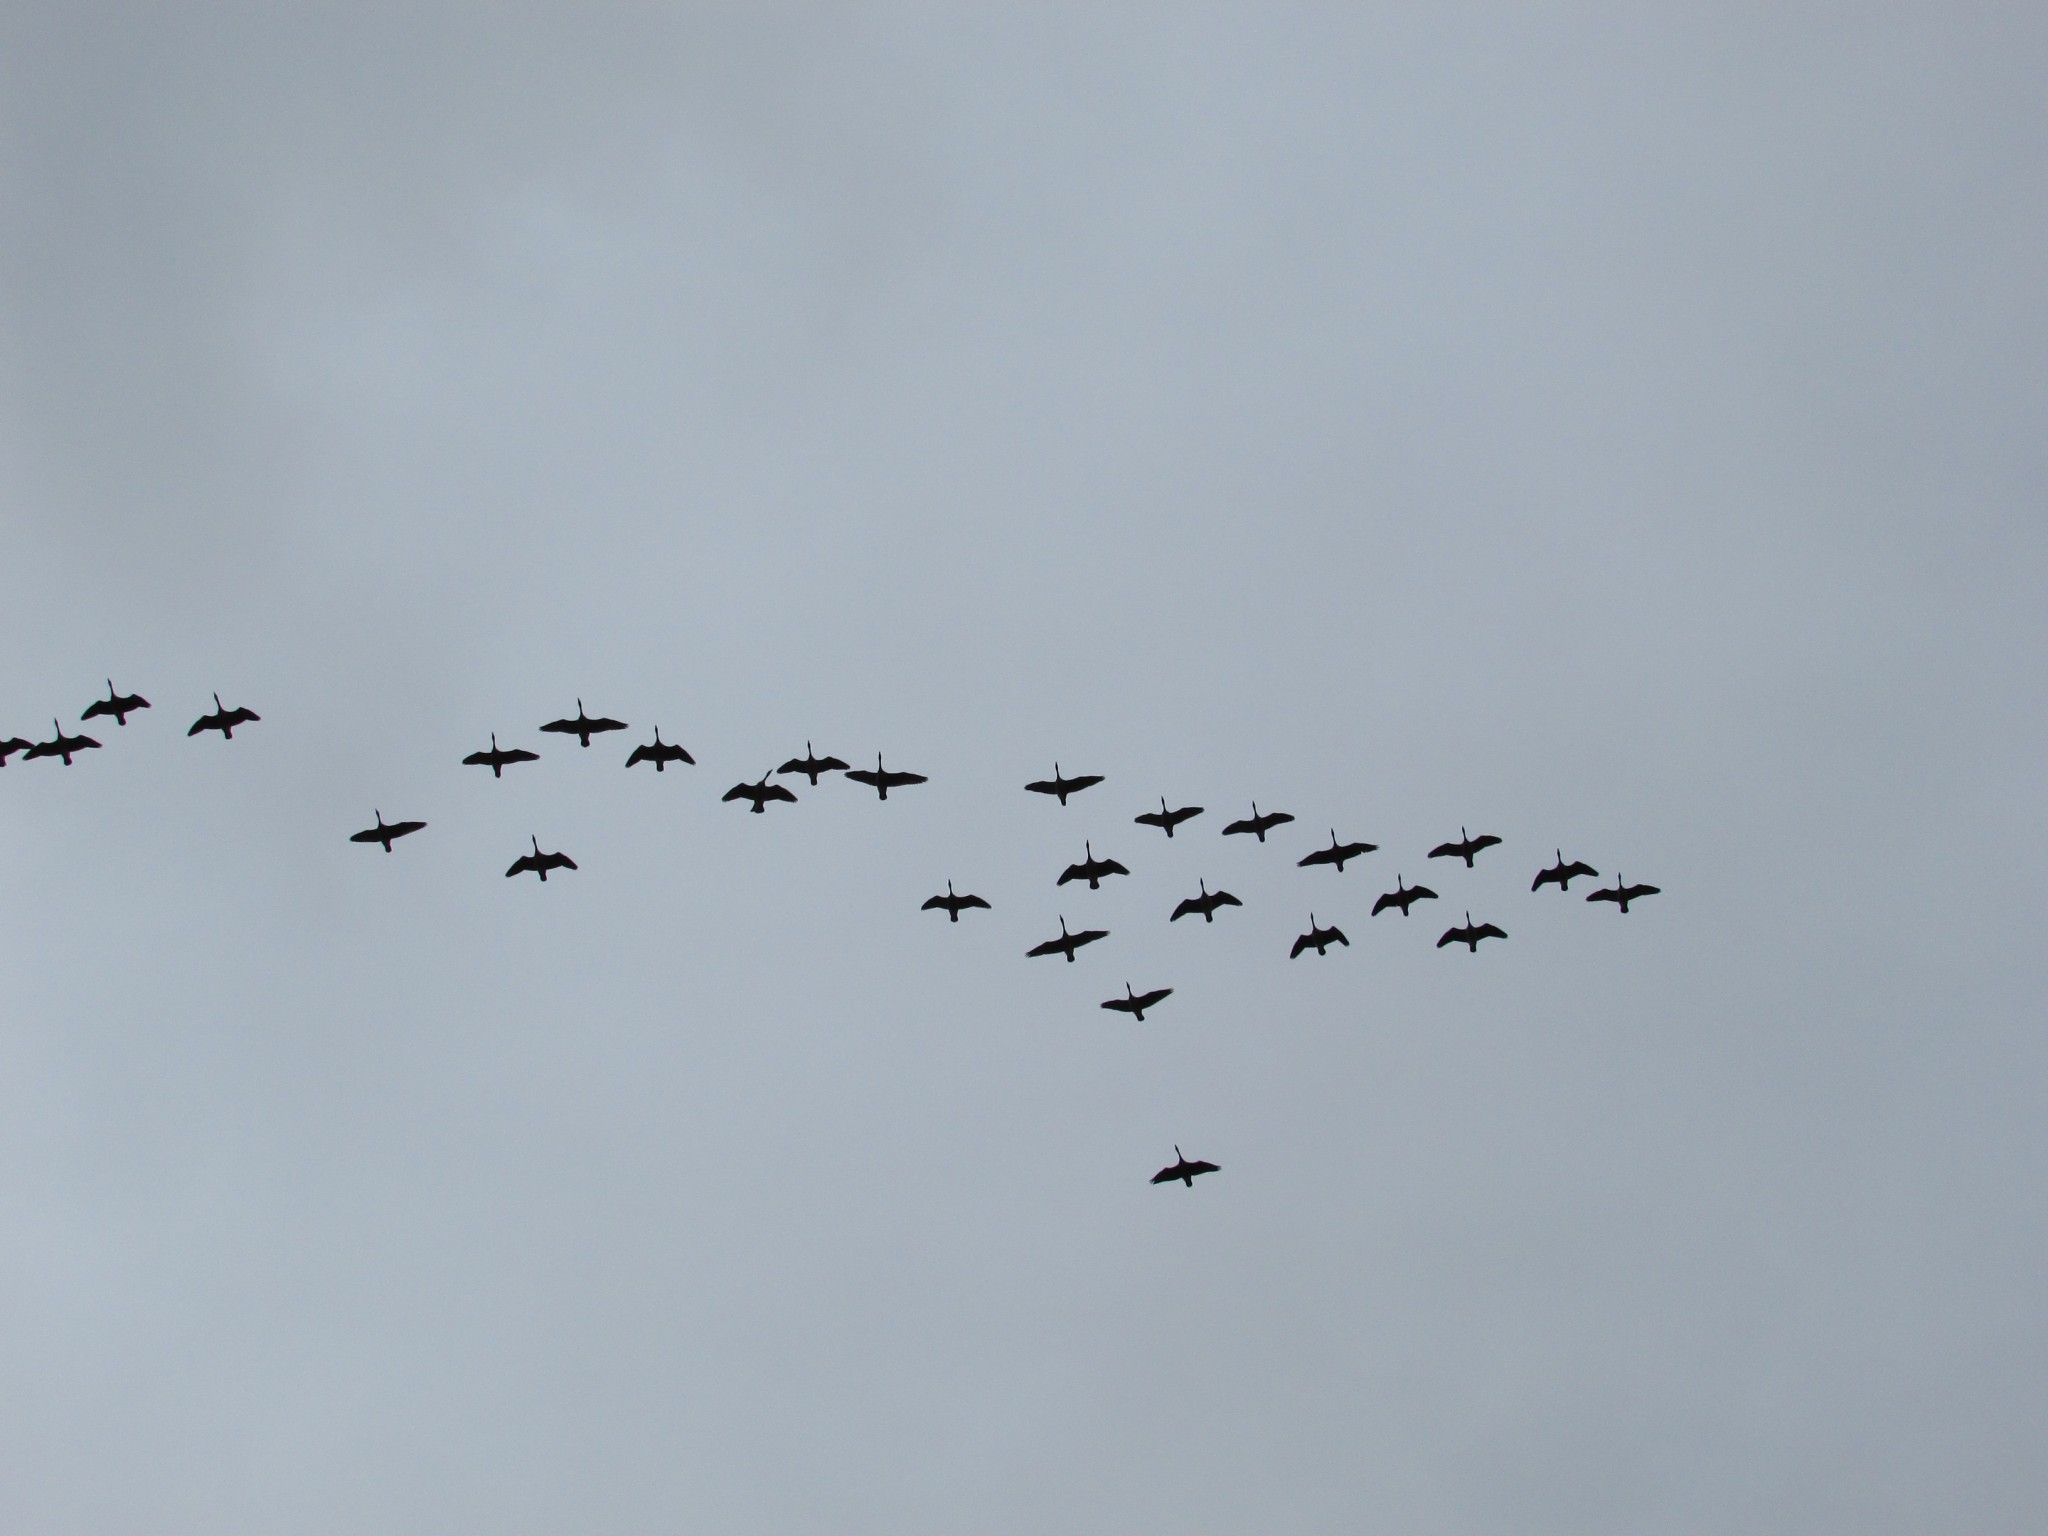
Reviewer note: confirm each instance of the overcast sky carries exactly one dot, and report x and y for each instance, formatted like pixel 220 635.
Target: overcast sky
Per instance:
pixel 1616 431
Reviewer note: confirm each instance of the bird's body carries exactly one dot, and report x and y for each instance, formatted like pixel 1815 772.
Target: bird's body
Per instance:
pixel 1135 1003
pixel 1337 853
pixel 1066 943
pixel 881 780
pixel 496 759
pixel 1318 939
pixel 1464 847
pixel 1167 820
pixel 119 705
pixel 583 727
pixel 660 753
pixel 540 863
pixel 1206 904
pixel 759 793
pixel 1470 935
pixel 12 745
pixel 1562 874
pixel 811 765
pixel 1062 787
pixel 59 745
pixel 1091 869
pixel 386 832
pixel 1183 1170
pixel 1402 896
pixel 223 720
pixel 950 904
pixel 1621 894
pixel 1256 824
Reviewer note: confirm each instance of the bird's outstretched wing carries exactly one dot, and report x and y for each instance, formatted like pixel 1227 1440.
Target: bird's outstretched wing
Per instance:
pixel 777 792
pixel 1391 899
pixel 1049 947
pixel 1192 907
pixel 1336 936
pixel 564 727
pixel 640 754
pixel 1451 936
pixel 741 792
pixel 1167 1175
pixel 1071 872
pixel 973 901
pixel 97 708
pixel 1224 899
pixel 1484 840
pixel 1158 994
pixel 204 723
pixel 1304 942
pixel 1607 895
pixel 1448 851
pixel 1110 867
pixel 405 828
pixel 1489 931
pixel 522 864
pixel 242 716
pixel 561 861
pixel 1547 877
pixel 1636 891
pixel 1573 870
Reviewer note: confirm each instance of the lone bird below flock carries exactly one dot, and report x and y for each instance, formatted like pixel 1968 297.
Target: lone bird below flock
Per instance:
pixel 1470 935
pixel 1402 896
pixel 540 863
pixel 1066 943
pixel 1063 787
pixel 1167 820
pixel 760 793
pixel 1206 904
pixel 59 745
pixel 1091 869
pixel 1464 848
pixel 496 759
pixel 1257 824
pixel 386 832
pixel 811 765
pixel 1183 1170
pixel 1318 939
pixel 1621 895
pixel 119 705
pixel 1562 874
pixel 1135 1004
pixel 12 745
pixel 950 904
pixel 660 753
pixel 583 727
pixel 223 720
pixel 881 780
pixel 1337 853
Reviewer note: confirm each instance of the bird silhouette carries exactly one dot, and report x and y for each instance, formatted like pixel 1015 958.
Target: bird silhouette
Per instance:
pixel 119 705
pixel 1067 942
pixel 1317 939
pixel 1134 1003
pixel 1167 820
pixel 223 720
pixel 12 745
pixel 952 905
pixel 1621 895
pixel 813 765
pixel 1091 869
pixel 1183 1170
pixel 1470 935
pixel 1062 787
pixel 760 793
pixel 386 832
pixel 1206 904
pixel 540 863
pixel 1337 853
pixel 1402 896
pixel 660 753
pixel 59 745
pixel 1562 874
pixel 881 780
pixel 496 759
pixel 1464 848
pixel 583 727
pixel 1255 823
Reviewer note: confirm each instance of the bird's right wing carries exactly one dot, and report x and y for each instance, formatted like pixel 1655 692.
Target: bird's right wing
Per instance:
pixel 974 901
pixel 1187 908
pixel 778 792
pixel 738 792
pixel 1447 851
pixel 1299 945
pixel 1383 903
pixel 1049 947
pixel 794 765
pixel 521 865
pixel 1605 896
pixel 1224 899
pixel 563 861
pixel 638 755
pixel 1450 937
pixel 204 722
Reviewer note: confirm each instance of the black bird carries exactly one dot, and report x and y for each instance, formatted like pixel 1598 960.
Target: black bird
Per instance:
pixel 1183 1170
pixel 59 746
pixel 1066 943
pixel 583 727
pixel 496 759
pixel 12 745
pixel 119 705
pixel 1402 896
pixel 760 794
pixel 661 754
pixel 1091 869
pixel 810 763
pixel 1206 904
pixel 1337 853
pixel 952 905
pixel 1464 848
pixel 1562 874
pixel 1470 934
pixel 1317 939
pixel 881 780
pixel 1257 823
pixel 1621 895
pixel 540 863
pixel 1135 1005
pixel 385 832
pixel 223 720
pixel 1062 787
pixel 1167 820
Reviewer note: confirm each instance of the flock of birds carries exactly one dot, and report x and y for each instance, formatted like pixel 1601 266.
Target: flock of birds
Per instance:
pixel 760 794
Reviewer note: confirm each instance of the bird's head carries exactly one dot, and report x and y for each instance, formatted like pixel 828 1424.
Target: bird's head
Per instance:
pixel 216 703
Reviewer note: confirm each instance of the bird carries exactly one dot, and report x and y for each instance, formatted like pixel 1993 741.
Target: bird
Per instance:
pixel 223 720
pixel 1256 823
pixel 1317 939
pixel 1135 1005
pixel 1337 853
pixel 1464 848
pixel 1066 943
pixel 497 758
pixel 119 705
pixel 1206 904
pixel 1562 874
pixel 1402 896
pixel 760 793
pixel 1091 869
pixel 1471 934
pixel 385 833
pixel 1167 820
pixel 59 745
pixel 810 763
pixel 1621 895
pixel 583 727
pixel 12 745
pixel 1062 787
pixel 540 863
pixel 660 753
pixel 881 780
pixel 952 905
pixel 1183 1170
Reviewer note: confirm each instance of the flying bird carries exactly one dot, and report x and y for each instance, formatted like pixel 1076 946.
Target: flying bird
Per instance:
pixel 583 727
pixel 1621 895
pixel 223 720
pixel 540 863
pixel 1470 935
pixel 1167 820
pixel 1062 787
pixel 1206 904
pixel 1318 939
pixel 1337 853
pixel 386 832
pixel 1183 1170
pixel 1464 848
pixel 1402 896
pixel 951 905
pixel 1562 874
pixel 12 745
pixel 660 753
pixel 881 780
pixel 1256 823
pixel 496 759
pixel 760 793
pixel 1066 943
pixel 1135 1004
pixel 813 765
pixel 119 705
pixel 59 745
pixel 1091 869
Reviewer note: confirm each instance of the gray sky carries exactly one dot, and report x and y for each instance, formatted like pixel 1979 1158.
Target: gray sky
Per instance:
pixel 1615 432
